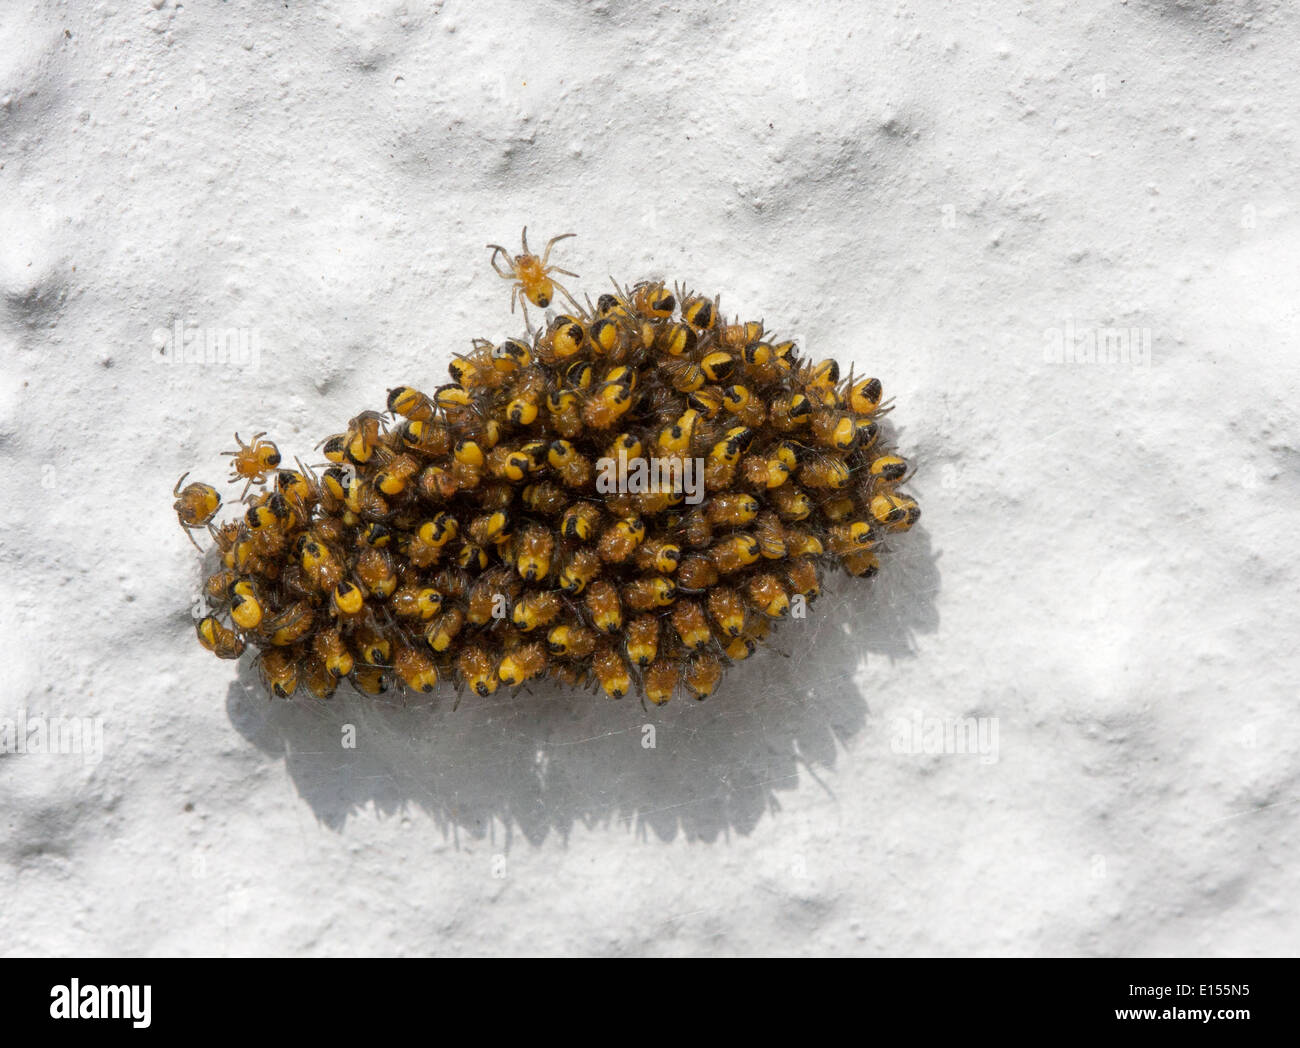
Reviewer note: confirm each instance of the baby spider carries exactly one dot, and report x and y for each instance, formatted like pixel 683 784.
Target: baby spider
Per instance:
pixel 254 461
pixel 531 275
pixel 195 506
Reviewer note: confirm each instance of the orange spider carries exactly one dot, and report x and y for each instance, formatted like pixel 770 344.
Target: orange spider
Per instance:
pixel 195 506
pixel 253 462
pixel 531 275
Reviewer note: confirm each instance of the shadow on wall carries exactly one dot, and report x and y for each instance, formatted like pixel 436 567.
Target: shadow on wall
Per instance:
pixel 545 759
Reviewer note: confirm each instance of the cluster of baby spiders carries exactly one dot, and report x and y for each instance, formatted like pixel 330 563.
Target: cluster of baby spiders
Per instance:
pixel 465 535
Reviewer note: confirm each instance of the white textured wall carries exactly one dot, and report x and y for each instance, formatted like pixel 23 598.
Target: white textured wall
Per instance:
pixel 1106 563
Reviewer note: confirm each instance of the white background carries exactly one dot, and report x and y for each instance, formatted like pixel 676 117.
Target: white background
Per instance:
pixel 920 189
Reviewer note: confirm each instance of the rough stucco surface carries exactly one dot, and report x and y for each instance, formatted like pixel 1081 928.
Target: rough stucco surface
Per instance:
pixel 1105 571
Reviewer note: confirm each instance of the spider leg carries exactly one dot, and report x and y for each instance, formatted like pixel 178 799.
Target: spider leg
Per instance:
pixel 497 249
pixel 566 272
pixel 190 535
pixel 524 238
pixel 623 294
pixel 551 243
pixel 177 489
pixel 518 296
pixel 567 295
